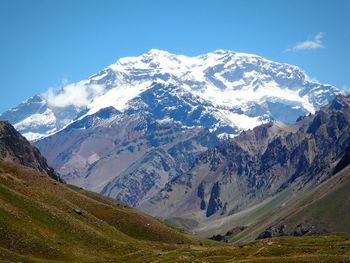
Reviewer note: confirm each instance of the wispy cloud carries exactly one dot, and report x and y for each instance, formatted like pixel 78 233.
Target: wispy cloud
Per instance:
pixel 314 43
pixel 76 94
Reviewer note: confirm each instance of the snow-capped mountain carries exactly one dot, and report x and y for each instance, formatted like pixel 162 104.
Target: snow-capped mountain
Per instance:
pixel 225 91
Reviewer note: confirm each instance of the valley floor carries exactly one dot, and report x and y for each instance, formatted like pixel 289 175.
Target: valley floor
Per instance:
pixel 326 248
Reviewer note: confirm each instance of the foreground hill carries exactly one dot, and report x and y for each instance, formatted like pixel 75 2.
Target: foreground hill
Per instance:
pixel 42 220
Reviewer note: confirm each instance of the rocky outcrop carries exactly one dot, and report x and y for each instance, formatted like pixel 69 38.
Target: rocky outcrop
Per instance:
pixel 15 148
pixel 299 230
pixel 344 161
pixel 229 234
pixel 273 232
pixel 214 200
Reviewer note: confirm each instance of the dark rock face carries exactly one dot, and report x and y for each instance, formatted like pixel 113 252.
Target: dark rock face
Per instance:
pixel 214 201
pixel 299 230
pixel 345 161
pixel 217 237
pixel 273 232
pixel 15 148
pixel 200 194
pixel 234 231
pixel 302 230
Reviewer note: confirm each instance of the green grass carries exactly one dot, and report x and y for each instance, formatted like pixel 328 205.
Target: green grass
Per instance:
pixel 331 211
pixel 325 208
pixel 38 224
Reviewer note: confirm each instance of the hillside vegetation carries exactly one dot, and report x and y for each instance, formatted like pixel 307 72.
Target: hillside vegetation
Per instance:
pixel 42 220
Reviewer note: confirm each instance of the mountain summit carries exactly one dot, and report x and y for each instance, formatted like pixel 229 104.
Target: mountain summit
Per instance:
pixel 224 91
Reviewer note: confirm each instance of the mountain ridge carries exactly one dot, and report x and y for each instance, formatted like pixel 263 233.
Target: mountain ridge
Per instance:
pixel 255 88
pixel 257 165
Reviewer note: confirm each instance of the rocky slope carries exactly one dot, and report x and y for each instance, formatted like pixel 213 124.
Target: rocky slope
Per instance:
pixel 266 162
pixel 126 156
pixel 224 91
pixel 318 211
pixel 16 149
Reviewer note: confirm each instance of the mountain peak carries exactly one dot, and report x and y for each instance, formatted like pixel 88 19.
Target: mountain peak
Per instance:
pixel 340 102
pixel 157 51
pixel 241 86
pixel 224 52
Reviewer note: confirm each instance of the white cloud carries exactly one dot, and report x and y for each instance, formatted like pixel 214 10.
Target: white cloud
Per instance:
pixel 314 43
pixel 76 94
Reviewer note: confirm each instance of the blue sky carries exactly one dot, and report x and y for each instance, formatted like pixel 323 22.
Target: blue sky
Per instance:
pixel 44 42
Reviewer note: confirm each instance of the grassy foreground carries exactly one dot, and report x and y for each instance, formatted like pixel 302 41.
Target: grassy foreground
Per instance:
pixel 45 221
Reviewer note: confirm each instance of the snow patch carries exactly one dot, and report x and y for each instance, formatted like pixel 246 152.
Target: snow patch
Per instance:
pixel 241 121
pixel 118 96
pixel 37 120
pixel 33 136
